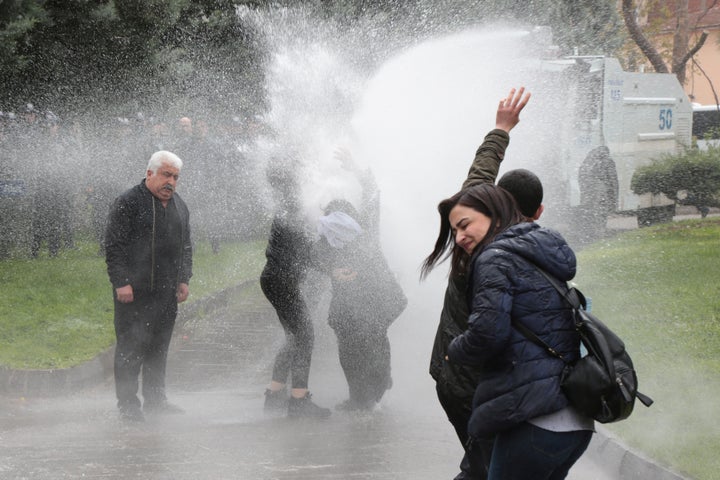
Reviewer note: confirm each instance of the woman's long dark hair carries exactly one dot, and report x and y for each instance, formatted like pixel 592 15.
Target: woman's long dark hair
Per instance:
pixel 490 200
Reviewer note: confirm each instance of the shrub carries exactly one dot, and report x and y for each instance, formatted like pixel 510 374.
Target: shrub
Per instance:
pixel 691 178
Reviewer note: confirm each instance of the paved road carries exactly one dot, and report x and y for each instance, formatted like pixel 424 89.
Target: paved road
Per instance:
pixel 219 365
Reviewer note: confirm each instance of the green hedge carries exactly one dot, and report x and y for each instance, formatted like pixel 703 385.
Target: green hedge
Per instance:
pixel 692 178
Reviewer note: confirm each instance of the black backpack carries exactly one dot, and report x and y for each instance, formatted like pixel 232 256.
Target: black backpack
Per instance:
pixel 602 384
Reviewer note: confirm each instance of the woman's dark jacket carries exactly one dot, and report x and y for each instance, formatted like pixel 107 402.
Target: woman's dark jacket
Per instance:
pixel 518 380
pixel 461 380
pixel 132 247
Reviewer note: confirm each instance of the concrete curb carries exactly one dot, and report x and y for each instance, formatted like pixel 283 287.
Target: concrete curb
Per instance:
pixel 50 382
pixel 53 381
pixel 618 461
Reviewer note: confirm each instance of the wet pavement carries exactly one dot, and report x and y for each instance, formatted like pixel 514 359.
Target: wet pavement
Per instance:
pixel 218 368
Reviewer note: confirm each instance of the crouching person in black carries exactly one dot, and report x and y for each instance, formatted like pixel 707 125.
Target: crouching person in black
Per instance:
pixel 366 300
pixel 149 261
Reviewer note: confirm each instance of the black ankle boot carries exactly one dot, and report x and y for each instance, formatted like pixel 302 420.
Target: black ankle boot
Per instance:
pixel 275 402
pixel 304 407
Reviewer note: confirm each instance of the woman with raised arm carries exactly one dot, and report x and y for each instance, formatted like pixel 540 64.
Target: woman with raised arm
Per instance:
pixel 518 399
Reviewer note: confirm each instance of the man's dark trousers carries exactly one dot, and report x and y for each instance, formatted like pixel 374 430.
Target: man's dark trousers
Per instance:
pixel 143 329
pixel 475 463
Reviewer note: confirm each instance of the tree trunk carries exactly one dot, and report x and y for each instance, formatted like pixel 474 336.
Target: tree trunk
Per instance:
pixel 681 53
pixel 628 12
pixel 680 40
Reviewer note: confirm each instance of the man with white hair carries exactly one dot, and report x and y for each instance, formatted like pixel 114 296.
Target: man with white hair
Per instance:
pixel 149 261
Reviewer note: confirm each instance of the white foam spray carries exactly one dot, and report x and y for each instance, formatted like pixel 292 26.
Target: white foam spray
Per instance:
pixel 415 120
pixel 421 118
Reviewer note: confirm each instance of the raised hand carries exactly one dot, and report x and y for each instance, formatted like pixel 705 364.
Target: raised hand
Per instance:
pixel 508 112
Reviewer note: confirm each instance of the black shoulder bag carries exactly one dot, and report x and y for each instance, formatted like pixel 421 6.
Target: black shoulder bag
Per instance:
pixel 602 384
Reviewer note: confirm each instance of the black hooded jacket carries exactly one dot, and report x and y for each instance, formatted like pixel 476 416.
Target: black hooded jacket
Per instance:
pixel 135 253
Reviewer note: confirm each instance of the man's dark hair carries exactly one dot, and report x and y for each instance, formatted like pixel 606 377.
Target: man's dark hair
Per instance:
pixel 525 187
pixel 341 205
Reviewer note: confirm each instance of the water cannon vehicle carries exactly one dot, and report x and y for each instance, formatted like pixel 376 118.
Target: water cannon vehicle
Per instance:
pixel 613 122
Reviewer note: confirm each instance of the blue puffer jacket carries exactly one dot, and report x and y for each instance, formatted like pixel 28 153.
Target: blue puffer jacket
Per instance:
pixel 519 380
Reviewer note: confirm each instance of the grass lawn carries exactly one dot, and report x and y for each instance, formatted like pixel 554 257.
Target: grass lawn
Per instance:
pixel 58 312
pixel 658 288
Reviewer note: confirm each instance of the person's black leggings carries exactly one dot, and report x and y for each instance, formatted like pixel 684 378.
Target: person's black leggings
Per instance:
pixel 293 359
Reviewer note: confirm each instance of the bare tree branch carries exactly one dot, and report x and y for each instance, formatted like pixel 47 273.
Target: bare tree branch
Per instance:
pixel 712 87
pixel 680 63
pixel 628 11
pixel 708 7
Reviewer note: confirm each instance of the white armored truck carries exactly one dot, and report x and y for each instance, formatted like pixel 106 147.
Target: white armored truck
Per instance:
pixel 615 121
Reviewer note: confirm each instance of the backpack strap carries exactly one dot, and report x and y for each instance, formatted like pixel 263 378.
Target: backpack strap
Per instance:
pixel 570 295
pixel 536 340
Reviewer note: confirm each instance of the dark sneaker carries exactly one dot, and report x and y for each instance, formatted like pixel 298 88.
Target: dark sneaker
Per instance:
pixel 162 408
pixel 131 413
pixel 304 407
pixel 276 402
